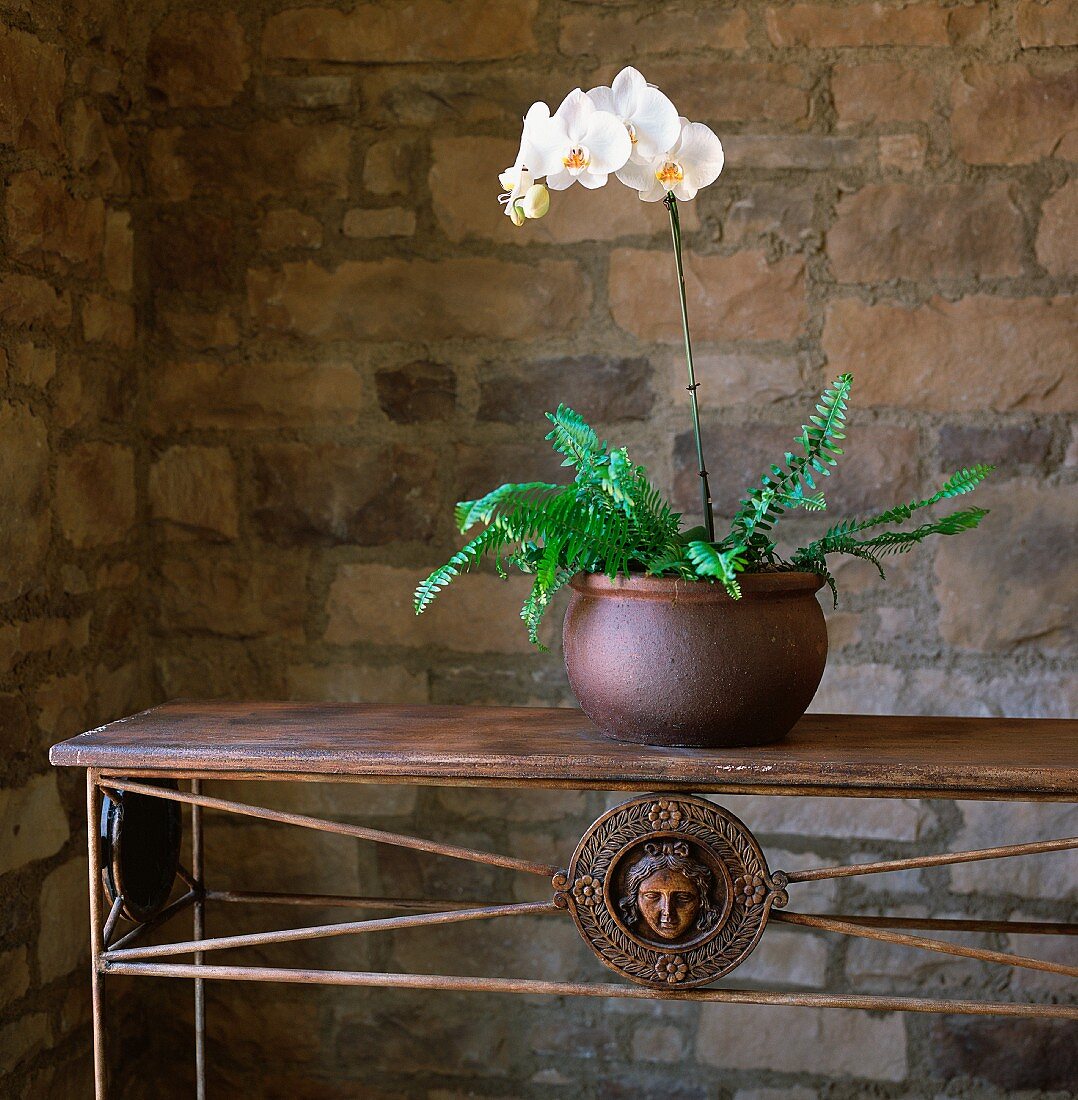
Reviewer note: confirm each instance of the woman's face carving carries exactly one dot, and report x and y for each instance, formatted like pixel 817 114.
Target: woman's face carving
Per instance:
pixel 669 902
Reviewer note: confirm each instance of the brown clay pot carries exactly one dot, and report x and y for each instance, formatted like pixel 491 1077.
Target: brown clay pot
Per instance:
pixel 663 661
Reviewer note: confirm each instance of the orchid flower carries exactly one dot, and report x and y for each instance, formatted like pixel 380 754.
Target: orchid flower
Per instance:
pixel 577 142
pixel 523 198
pixel 649 117
pixel 693 161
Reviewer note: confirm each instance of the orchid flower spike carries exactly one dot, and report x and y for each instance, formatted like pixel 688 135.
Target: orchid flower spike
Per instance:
pixel 649 117
pixel 578 142
pixel 693 161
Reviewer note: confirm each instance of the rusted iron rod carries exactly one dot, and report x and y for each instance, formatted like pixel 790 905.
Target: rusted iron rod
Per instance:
pixel 110 921
pixel 97 994
pixel 830 924
pixel 961 924
pixel 358 831
pixel 338 900
pixel 324 931
pixel 166 914
pixel 582 989
pixel 940 860
pixel 198 931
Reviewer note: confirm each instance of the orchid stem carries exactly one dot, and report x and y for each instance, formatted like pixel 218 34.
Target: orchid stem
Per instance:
pixel 705 490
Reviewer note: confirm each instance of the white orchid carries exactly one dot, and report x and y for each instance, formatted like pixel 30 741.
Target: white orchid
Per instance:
pixel 692 162
pixel 523 198
pixel 649 117
pixel 577 143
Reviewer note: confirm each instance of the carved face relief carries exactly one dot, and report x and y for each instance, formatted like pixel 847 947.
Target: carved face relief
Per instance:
pixel 669 902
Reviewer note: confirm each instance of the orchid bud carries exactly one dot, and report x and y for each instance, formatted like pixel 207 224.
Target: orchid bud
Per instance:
pixel 516 213
pixel 536 201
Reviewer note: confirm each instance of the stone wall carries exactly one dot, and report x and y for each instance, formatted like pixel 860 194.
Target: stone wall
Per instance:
pixel 73 538
pixel 233 465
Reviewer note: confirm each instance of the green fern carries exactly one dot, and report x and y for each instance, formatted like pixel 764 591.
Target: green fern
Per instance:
pixel 610 519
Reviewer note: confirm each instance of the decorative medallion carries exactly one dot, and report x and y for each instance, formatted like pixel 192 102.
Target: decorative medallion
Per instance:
pixel 671 892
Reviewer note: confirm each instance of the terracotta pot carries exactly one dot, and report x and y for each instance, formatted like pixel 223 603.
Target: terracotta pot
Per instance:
pixel 664 661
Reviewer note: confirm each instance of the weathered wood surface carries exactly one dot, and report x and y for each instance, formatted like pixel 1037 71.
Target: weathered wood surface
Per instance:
pixel 525 746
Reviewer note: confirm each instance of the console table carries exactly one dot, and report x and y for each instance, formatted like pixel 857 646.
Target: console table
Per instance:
pixel 669 890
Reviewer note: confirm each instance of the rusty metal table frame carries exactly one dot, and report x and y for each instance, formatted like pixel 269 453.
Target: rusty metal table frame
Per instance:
pixel 115 954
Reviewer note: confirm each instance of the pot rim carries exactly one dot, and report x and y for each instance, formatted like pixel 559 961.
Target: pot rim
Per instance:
pixel 641 586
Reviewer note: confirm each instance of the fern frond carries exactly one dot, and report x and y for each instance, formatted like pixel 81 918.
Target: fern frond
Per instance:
pixel 573 437
pixel 470 512
pixel 466 558
pixel 724 565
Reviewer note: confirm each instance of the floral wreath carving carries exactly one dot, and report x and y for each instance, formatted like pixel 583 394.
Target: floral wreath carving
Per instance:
pixel 585 890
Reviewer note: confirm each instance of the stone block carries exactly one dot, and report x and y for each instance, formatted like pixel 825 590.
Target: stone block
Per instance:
pixel 482 468
pixel 211 668
pixel 876 92
pixel 33 823
pixel 119 251
pixel 266 159
pixel 1057 231
pixel 201 331
pixel 62 944
pixel 24 500
pixel 601 389
pixel 900 819
pixel 14 975
pixel 732 378
pixel 95 494
pixel 876 967
pixel 32 74
pixel 1005 114
pixel 197 59
pixel 382 222
pixel 810 1040
pixel 1029 694
pixel 1007 586
pixel 331 493
pixel 62 705
pixel 947 231
pixel 351 682
pixel 430 30
pixel 252 395
pixel 289 229
pixel 397 299
pixel 1052 876
pixel 29 302
pixel 631 35
pixel 1054 23
pixel 979 352
pixel 738 297
pixel 33 366
pixel 104 320
pixel 717 91
pixel 815 25
pixel 390 166
pixel 225 596
pixel 356 802
pixel 306 92
pixel 657 1043
pixel 100 153
pixel 23 1038
pixel 858 689
pixel 52 229
pixel 901 152
pixel 193 492
pixel 1010 448
pixel 372 604
pixel 808 152
pixel 417 392
pixel 1009 1054
pixel 772 212
pixel 193 250
pixel 786 958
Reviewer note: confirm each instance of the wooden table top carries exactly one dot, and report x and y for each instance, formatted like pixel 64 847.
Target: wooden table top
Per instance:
pixel 546 747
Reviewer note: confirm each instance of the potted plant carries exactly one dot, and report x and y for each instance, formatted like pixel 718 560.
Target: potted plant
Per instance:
pixel 674 637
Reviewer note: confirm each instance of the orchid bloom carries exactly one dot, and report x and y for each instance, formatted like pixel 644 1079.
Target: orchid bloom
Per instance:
pixel 693 161
pixel 523 198
pixel 649 117
pixel 578 142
